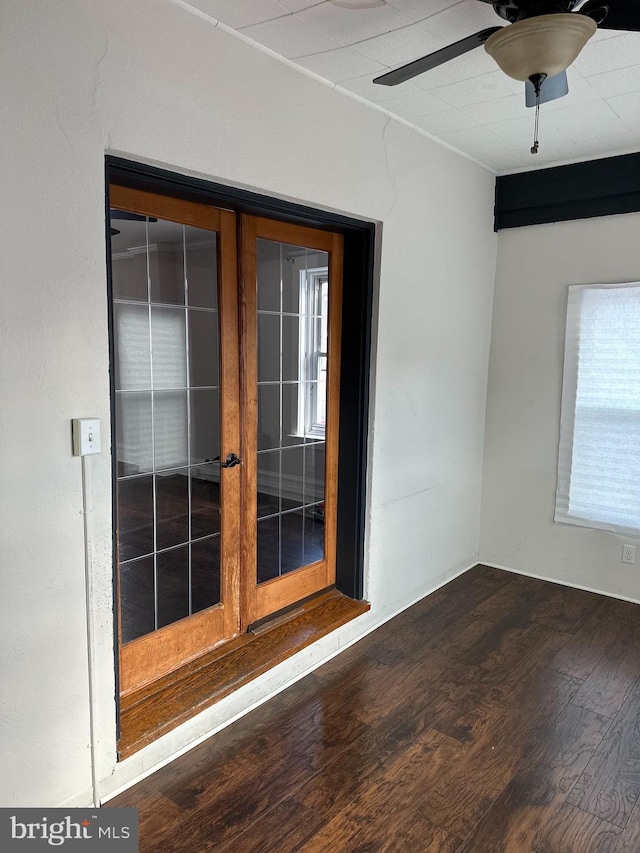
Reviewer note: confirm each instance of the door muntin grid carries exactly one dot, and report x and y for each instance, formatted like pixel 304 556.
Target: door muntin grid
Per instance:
pixel 166 376
pixel 291 452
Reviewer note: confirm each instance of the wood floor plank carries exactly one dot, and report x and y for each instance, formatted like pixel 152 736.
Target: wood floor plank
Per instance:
pixel 525 650
pixel 496 644
pixel 488 576
pixel 521 702
pixel 156 811
pixel 357 650
pixel 610 785
pixel 571 830
pixel 583 651
pixel 452 613
pixel 372 687
pixel 229 794
pixel 366 759
pixel 458 727
pixel 553 758
pixel 163 821
pixel 629 840
pixel 384 808
pixel 418 833
pixel 448 602
pixel 500 737
pixel 568 609
pixel 612 679
pixel 285 828
pixel 519 663
pixel 555 606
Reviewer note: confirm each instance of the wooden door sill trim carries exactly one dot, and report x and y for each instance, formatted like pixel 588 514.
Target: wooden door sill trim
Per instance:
pixel 155 709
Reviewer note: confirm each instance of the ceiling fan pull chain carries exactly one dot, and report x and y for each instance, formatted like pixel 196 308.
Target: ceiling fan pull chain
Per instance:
pixel 536 144
pixel 537 80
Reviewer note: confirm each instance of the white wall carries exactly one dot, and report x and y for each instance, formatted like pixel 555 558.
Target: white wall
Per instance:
pixel 535 266
pixel 151 81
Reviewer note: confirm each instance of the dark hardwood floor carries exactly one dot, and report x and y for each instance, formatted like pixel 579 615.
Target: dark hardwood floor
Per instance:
pixel 500 713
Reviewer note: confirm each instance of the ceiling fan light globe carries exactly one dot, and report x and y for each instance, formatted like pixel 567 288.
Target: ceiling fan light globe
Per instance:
pixel 546 44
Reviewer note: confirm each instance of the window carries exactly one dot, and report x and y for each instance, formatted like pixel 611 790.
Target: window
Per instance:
pixel 599 456
pixel 314 302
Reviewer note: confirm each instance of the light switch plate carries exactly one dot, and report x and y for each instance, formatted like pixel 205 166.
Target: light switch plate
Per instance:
pixel 86 436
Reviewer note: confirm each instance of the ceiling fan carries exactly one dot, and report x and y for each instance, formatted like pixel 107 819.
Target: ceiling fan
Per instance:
pixel 543 37
pixel 541 40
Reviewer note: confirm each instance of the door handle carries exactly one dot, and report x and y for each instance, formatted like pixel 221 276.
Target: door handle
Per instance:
pixel 231 461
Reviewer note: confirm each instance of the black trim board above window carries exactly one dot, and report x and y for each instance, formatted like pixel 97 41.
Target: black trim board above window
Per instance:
pixel 578 191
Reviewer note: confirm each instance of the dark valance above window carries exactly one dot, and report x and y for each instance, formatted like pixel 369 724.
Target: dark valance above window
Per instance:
pixel 577 191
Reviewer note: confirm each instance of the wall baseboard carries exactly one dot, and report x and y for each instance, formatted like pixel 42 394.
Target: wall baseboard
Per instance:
pixel 558 582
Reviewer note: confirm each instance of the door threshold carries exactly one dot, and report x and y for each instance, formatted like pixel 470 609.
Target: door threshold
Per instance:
pixel 156 708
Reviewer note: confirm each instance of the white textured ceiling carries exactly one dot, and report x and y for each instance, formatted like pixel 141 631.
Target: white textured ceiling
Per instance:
pixel 467 103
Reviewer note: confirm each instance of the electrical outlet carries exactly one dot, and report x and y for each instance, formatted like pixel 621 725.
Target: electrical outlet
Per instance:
pixel 628 553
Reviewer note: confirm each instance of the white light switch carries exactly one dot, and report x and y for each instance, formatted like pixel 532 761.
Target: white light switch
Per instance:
pixel 86 436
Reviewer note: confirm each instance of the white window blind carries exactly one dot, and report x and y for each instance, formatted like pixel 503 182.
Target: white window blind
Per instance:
pixel 599 456
pixel 151 437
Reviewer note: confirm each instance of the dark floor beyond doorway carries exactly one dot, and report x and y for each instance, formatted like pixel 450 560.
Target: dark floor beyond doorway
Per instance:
pixel 500 713
pixel 186 579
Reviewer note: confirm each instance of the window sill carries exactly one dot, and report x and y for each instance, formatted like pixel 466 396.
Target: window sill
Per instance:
pixel 157 708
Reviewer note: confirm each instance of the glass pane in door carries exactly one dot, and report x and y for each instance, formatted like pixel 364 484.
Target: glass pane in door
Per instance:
pixel 166 376
pixel 292 300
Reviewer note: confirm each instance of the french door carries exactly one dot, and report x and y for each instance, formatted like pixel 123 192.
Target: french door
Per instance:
pixel 290 312
pixel 225 375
